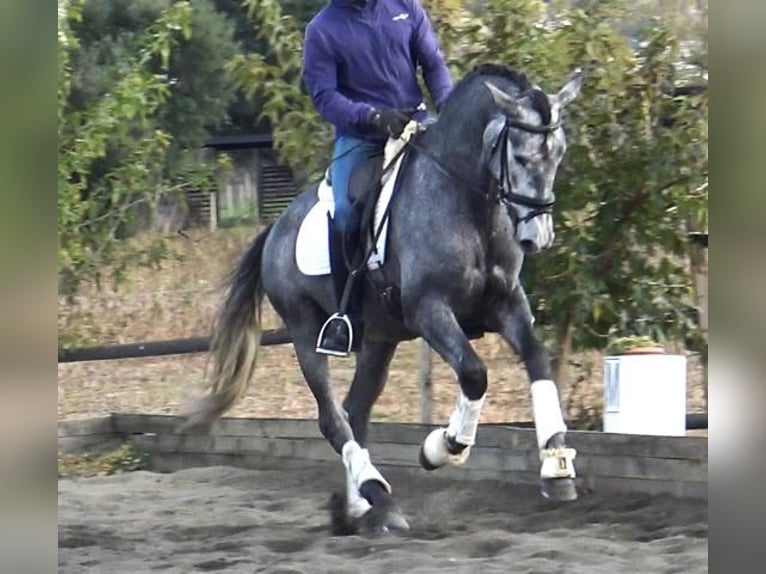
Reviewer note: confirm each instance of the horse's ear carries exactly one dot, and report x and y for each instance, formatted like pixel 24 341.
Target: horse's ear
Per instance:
pixel 505 102
pixel 571 89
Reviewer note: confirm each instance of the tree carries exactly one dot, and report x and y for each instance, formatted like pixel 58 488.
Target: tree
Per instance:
pixel 199 90
pixel 635 173
pixel 302 140
pixel 94 201
pixel 245 112
pixel 142 85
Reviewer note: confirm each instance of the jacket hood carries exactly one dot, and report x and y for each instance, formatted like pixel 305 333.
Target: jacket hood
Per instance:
pixel 352 3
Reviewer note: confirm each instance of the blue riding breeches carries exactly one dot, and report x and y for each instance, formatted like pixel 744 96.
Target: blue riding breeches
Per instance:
pixel 348 153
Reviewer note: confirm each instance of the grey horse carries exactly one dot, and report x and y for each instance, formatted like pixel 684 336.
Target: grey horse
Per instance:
pixel 474 196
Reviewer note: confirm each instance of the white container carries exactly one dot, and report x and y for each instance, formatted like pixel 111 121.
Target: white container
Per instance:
pixel 645 394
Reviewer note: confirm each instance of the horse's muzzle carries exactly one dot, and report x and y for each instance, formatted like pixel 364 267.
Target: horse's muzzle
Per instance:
pixel 536 234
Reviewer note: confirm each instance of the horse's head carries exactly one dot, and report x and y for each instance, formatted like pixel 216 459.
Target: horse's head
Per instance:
pixel 523 146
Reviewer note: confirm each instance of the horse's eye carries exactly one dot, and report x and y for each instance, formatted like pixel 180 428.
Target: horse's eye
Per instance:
pixel 520 160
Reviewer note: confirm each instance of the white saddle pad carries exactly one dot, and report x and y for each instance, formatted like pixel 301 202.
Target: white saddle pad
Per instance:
pixel 312 248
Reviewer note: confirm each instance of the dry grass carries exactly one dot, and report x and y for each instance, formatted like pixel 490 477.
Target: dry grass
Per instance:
pixel 179 300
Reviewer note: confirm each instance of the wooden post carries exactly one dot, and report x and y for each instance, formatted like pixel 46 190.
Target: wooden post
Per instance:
pixel 698 265
pixel 426 388
pixel 213 210
pixel 700 270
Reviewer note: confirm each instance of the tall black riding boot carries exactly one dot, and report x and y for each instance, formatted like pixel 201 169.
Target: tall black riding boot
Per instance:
pixel 353 304
pixel 336 336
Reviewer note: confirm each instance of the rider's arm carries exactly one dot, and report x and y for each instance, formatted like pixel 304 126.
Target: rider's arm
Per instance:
pixel 429 55
pixel 320 74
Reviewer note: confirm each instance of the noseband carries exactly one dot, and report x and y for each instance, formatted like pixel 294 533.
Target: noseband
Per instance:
pixel 505 188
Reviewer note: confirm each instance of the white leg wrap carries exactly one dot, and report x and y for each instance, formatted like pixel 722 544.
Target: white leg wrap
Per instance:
pixel 357 504
pixel 555 462
pixel 464 420
pixel 547 411
pixel 435 449
pixel 359 470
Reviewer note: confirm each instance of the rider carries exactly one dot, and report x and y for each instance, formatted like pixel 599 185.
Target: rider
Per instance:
pixel 360 64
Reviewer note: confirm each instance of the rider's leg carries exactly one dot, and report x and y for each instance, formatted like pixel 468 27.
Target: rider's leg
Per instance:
pixel 348 153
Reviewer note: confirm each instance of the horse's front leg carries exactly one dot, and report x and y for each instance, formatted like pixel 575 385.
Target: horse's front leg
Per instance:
pixel 557 472
pixel 436 322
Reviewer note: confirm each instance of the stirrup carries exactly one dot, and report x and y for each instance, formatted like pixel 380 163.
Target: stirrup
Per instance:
pixel 328 351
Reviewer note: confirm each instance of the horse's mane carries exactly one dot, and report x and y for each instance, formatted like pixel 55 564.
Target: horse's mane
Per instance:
pixel 493 69
pixel 537 98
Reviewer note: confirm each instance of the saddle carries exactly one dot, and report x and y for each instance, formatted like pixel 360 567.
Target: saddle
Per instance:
pixel 371 191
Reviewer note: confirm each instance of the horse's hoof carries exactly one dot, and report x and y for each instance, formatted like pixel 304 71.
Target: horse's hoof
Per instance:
pixel 395 521
pixel 384 515
pixel 559 489
pixel 379 521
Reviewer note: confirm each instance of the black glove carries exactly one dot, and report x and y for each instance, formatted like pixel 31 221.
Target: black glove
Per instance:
pixel 391 121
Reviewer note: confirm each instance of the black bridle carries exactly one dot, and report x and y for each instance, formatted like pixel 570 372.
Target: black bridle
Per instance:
pixel 506 194
pixel 503 192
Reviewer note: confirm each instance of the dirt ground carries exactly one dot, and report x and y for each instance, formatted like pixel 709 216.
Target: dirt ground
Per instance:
pixel 275 521
pixel 179 299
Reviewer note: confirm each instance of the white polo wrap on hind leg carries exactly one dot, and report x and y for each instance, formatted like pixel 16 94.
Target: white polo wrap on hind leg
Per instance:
pixel 555 462
pixel 359 470
pixel 464 420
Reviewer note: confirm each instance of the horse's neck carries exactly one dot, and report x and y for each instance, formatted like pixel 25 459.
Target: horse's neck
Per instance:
pixel 456 146
pixel 452 133
pixel 443 181
pixel 455 143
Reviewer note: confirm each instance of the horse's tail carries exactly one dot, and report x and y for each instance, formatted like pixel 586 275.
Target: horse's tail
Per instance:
pixel 235 339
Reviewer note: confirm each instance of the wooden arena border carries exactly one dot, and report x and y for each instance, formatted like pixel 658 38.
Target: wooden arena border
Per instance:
pixel 605 461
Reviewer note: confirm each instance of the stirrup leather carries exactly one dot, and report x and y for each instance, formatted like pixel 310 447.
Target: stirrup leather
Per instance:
pixel 335 317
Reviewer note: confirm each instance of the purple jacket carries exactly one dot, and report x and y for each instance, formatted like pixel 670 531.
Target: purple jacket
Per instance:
pixel 358 55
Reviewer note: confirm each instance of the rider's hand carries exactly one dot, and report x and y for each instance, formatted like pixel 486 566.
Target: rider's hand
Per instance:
pixel 391 121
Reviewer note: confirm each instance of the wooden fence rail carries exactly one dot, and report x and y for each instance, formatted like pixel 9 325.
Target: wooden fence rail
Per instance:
pixel 157 348
pixel 694 421
pixel 605 461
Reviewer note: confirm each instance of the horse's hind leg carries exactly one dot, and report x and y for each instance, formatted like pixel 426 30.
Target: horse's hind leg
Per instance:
pixel 516 325
pixel 368 503
pixel 369 379
pixel 438 325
